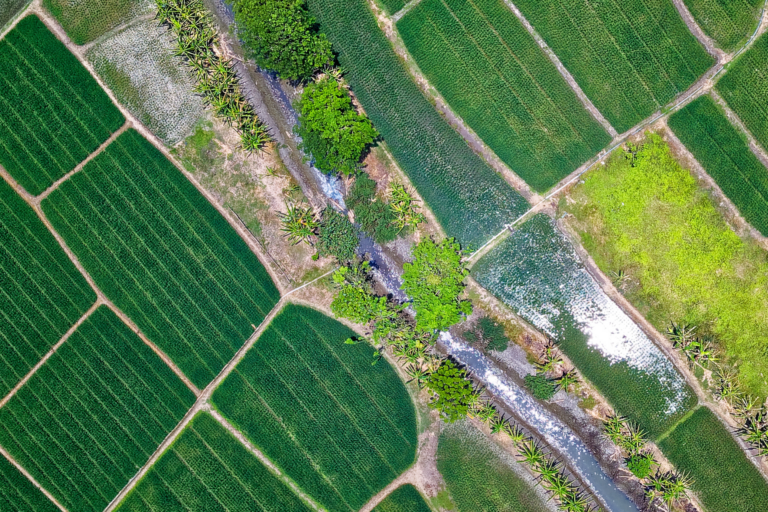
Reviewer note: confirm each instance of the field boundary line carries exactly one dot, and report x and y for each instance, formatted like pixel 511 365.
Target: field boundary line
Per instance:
pixel 406 8
pixel 707 42
pixel 311 282
pixel 737 123
pixel 29 477
pixel 50 352
pixel 671 429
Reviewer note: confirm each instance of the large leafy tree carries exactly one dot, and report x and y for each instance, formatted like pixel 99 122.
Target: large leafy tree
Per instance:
pixel 435 280
pixel 452 391
pixel 282 38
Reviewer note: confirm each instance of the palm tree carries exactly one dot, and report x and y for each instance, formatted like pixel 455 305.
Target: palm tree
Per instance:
pixel 299 223
pixel 680 335
pixel 514 432
pixel 531 453
pixel 416 374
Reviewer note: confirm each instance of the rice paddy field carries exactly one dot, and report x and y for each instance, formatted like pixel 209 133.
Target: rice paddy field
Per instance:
pixel 723 478
pixel 745 88
pixel 405 498
pixel 53 114
pixel 206 468
pixel 138 65
pixel 92 415
pixel 163 254
pixel 470 201
pixel 9 9
pixel 729 23
pixel 87 20
pixel 537 272
pixel 43 293
pixel 338 426
pixel 18 493
pixel 630 58
pixel 494 75
pixel 724 152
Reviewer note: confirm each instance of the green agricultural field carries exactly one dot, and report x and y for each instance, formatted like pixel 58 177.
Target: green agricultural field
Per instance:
pixel 19 494
pixel 405 498
pixel 728 22
pixel 723 478
pixel 206 468
pixel 53 114
pixel 470 201
pixel 86 20
pixel 9 9
pixel 163 254
pixel 724 152
pixel 92 415
pixel 684 263
pixel 745 88
pixel 480 476
pixel 494 75
pixel 630 57
pixel 393 6
pixel 337 425
pixel 43 293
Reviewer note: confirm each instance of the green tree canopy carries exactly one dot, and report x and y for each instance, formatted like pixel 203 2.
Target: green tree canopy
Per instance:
pixel 281 37
pixel 337 236
pixel 452 389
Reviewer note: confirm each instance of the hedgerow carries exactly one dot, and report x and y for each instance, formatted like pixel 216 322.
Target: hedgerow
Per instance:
pixel 494 75
pixel 163 254
pixel 728 23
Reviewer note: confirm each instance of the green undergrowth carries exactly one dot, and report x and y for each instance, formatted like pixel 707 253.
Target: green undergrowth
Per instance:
pixel 683 262
pixel 405 498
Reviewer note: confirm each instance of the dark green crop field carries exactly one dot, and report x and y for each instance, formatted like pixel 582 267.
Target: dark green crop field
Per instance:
pixel 469 199
pixel 53 114
pixel 722 476
pixel 341 428
pixel 405 498
pixel 207 469
pixel 18 494
pixel 745 88
pixel 630 57
pixel 163 254
pixel 725 154
pixel 728 22
pixel 494 75
pixel 394 5
pixel 92 415
pixel 43 294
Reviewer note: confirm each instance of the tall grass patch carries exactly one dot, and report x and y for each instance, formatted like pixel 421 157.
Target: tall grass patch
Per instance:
pixel 684 264
pixel 206 468
pixel 43 292
pixel 337 425
pixel 630 57
pixel 53 114
pixel 92 415
pixel 494 75
pixel 470 201
pixel 723 478
pixel 18 493
pixel 163 254
pixel 405 498
pixel 87 20
pixel 728 23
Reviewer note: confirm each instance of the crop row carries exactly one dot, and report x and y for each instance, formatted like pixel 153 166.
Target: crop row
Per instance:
pixel 338 426
pixel 163 254
pixel 53 114
pixel 629 57
pixel 725 155
pixel 206 468
pixel 745 88
pixel 43 294
pixel 469 199
pixel 19 494
pixel 491 71
pixel 93 413
pixel 88 20
pixel 728 23
pixel 405 498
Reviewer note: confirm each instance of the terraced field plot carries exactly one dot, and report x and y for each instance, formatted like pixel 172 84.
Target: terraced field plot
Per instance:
pixel 470 201
pixel 206 468
pixel 86 20
pixel 43 294
pixel 92 415
pixel 53 114
pixel 405 498
pixel 629 57
pixel 719 147
pixel 340 427
pixel 19 494
pixel 728 22
pixel 494 75
pixel 163 254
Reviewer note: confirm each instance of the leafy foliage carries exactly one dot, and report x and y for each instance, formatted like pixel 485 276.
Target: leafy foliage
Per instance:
pixel 728 23
pixel 452 391
pixel 493 334
pixel 434 280
pixel 541 387
pixel 374 215
pixel 404 207
pixel 337 236
pixel 299 223
pixel 355 299
pixel 641 464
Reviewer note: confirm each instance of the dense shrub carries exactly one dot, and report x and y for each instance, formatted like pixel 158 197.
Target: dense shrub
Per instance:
pixel 540 386
pixel 337 236
pixel 452 390
pixel 375 216
pixel 493 334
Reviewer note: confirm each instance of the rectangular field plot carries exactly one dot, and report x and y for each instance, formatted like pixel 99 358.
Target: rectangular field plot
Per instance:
pixel 494 75
pixel 86 20
pixel 19 494
pixel 470 201
pixel 340 427
pixel 92 415
pixel 726 156
pixel 630 57
pixel 53 114
pixel 728 22
pixel 163 254
pixel 43 294
pixel 207 469
pixel 723 478
pixel 405 498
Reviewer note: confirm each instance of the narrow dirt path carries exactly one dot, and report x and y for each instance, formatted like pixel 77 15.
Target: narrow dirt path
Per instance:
pixel 31 479
pixel 754 146
pixel 698 33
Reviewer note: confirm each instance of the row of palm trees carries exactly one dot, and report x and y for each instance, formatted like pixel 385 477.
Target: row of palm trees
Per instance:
pixel 197 41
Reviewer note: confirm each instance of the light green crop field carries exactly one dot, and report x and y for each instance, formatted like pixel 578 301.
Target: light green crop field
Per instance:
pixel 87 20
pixel 18 493
pixel 728 22
pixel 9 9
pixel 405 498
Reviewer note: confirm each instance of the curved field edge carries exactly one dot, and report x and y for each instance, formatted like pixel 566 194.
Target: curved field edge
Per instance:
pixel 405 498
